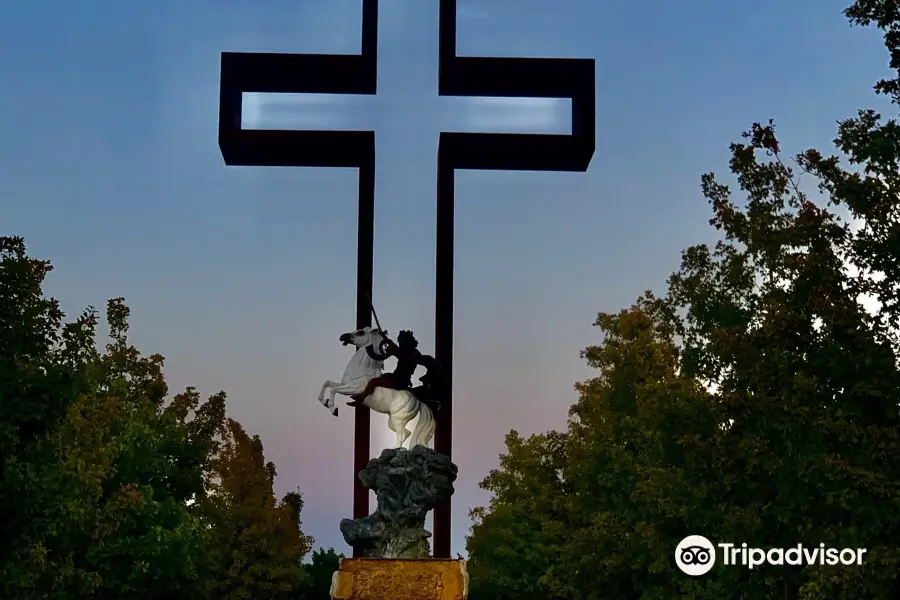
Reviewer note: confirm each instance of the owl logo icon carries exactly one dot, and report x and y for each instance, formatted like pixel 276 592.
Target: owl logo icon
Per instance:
pixel 695 555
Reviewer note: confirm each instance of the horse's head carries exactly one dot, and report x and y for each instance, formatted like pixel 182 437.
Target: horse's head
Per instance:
pixel 361 337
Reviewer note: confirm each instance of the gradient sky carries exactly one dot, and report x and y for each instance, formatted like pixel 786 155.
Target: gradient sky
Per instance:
pixel 244 277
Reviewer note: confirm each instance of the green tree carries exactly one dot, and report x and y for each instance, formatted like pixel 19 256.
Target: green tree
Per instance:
pixel 96 471
pixel 318 574
pixel 258 544
pixel 638 444
pixel 104 483
pixel 580 514
pixel 516 539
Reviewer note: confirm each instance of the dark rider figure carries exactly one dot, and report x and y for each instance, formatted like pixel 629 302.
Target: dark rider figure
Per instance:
pixel 408 358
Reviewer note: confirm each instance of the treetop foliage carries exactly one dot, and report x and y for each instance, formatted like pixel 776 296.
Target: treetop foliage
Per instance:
pixel 110 489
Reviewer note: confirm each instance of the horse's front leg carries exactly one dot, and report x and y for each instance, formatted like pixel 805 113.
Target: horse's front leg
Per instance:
pixel 346 388
pixel 325 386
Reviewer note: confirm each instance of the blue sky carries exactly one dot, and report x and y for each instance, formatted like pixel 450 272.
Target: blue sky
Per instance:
pixel 244 277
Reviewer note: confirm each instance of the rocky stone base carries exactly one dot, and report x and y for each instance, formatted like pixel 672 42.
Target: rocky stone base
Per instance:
pixel 400 579
pixel 408 484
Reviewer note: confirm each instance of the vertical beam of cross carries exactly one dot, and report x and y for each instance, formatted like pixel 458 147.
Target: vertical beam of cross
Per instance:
pixel 314 74
pixel 503 77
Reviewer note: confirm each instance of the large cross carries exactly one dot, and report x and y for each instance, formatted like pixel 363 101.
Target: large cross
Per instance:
pixel 457 76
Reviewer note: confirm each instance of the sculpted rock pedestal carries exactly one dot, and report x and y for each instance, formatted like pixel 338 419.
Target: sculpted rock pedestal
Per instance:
pixel 408 484
pixel 380 579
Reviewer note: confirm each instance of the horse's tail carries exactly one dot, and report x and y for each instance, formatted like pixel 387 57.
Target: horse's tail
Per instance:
pixel 424 429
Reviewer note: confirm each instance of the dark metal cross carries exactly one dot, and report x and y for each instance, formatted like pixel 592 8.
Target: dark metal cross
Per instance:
pixel 458 76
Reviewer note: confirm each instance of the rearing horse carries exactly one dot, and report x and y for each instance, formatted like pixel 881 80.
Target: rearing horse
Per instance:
pixel 401 406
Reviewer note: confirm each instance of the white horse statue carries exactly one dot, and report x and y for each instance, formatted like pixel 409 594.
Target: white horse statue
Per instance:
pixel 401 406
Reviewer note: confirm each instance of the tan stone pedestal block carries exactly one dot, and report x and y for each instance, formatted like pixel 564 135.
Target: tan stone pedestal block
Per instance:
pixel 400 579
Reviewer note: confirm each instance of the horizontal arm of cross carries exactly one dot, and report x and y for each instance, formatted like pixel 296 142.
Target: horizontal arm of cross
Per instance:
pixel 243 72
pixel 516 78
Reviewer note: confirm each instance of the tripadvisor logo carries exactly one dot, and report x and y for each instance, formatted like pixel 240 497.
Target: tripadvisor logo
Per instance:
pixel 695 555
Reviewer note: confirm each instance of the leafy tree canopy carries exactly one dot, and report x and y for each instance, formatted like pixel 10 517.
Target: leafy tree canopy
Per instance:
pixel 319 571
pixel 108 489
